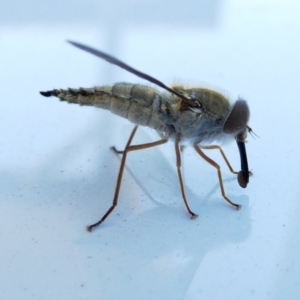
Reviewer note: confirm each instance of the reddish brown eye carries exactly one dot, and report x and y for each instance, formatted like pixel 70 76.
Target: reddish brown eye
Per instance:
pixel 238 118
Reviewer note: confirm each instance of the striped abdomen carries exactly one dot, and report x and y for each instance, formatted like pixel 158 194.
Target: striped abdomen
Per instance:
pixel 141 105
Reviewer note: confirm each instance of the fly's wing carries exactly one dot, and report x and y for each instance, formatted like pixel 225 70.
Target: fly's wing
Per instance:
pixel 126 67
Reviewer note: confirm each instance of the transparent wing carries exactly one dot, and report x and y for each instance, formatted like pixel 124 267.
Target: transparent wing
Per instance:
pixel 126 67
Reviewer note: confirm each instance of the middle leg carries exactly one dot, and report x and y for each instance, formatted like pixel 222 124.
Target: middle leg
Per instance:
pixel 178 165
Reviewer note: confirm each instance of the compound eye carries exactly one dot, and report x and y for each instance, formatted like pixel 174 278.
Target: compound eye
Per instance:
pixel 238 118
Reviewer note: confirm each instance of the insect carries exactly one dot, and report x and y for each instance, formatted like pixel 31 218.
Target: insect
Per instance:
pixel 198 115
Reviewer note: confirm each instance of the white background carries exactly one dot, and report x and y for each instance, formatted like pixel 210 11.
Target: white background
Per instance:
pixel 57 174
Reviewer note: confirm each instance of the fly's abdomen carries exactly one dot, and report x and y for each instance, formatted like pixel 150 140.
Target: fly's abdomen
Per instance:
pixel 137 103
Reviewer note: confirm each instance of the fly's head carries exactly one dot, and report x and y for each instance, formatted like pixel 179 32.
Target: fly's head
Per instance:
pixel 237 119
pixel 223 118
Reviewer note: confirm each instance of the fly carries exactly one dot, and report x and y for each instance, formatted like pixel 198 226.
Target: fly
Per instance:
pixel 198 115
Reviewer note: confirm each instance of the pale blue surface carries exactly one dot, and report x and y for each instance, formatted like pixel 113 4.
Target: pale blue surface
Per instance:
pixel 57 174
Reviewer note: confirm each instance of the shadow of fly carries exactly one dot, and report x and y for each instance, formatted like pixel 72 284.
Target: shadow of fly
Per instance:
pixel 196 115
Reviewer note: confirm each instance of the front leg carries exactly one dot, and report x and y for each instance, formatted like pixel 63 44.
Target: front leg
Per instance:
pixel 214 164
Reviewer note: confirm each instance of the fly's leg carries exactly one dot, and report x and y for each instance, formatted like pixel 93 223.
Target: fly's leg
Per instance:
pixel 178 164
pixel 178 149
pixel 114 149
pixel 115 200
pixel 223 154
pixel 214 164
pixel 127 149
pixel 212 147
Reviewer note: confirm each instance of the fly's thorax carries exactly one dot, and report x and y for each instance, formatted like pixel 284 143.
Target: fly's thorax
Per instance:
pixel 212 102
pixel 204 121
pixel 209 101
pixel 237 119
